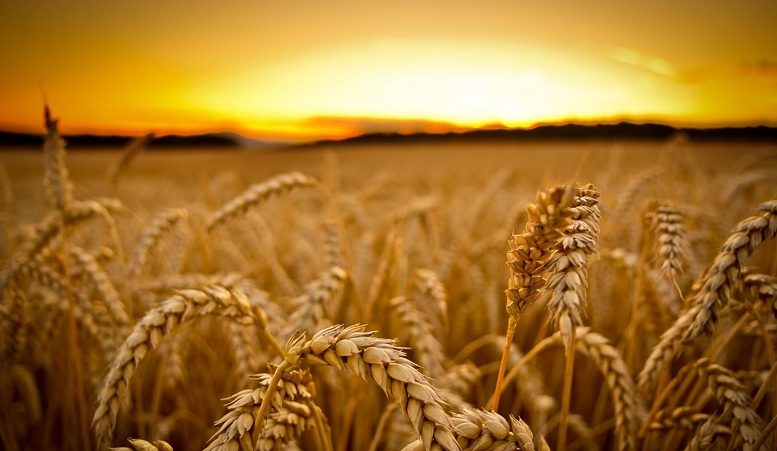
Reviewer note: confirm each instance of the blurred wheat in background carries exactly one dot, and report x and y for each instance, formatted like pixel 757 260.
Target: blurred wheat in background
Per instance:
pixel 614 297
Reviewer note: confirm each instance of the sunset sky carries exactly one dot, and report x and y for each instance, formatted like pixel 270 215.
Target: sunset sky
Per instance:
pixel 307 69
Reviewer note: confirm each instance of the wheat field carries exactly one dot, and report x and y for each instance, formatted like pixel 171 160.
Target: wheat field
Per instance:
pixel 467 295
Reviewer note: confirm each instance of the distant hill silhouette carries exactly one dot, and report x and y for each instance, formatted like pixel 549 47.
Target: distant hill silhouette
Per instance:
pixel 10 139
pixel 619 131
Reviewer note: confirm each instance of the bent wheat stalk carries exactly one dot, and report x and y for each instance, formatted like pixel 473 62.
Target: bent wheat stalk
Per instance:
pixel 147 335
pixel 151 236
pixel 353 350
pixel 258 193
pixel 48 229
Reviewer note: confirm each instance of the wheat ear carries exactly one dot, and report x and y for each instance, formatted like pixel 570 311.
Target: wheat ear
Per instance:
pixel 568 282
pixel 704 438
pixel 85 263
pixel 481 430
pixel 668 225
pixel 56 182
pixel 292 413
pixel 527 258
pixel 569 264
pixel 685 417
pixel 92 318
pixel 762 287
pixel 731 395
pixel 144 445
pixel 152 235
pixel 427 285
pixel 310 311
pixel 428 350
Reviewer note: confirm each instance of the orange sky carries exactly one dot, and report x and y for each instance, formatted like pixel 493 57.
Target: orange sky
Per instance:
pixel 306 69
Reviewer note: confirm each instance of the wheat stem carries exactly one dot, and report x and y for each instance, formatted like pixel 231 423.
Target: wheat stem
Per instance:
pixel 266 402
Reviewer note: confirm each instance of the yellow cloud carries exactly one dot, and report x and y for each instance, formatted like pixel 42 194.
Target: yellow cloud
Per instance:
pixel 651 63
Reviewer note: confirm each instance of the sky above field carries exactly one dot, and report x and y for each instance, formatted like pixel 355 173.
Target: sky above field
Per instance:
pixel 329 69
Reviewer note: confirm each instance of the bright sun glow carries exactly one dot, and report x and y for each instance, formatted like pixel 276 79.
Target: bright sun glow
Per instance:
pixel 457 83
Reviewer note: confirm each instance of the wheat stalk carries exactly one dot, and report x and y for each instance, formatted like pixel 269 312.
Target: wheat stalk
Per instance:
pixel 568 281
pixel 712 291
pixel 135 147
pixel 625 400
pixel 608 360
